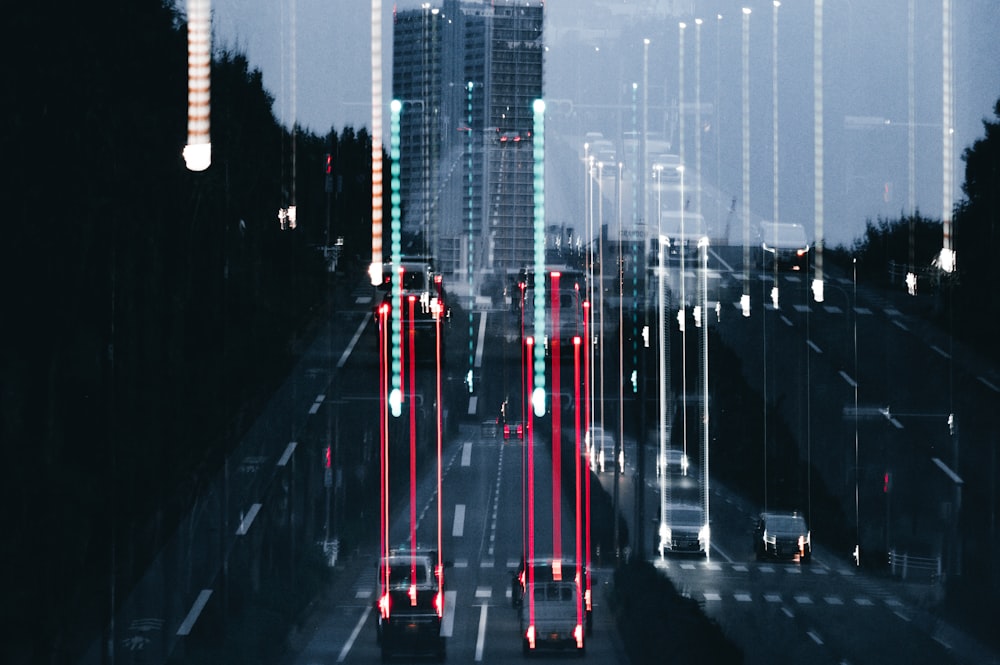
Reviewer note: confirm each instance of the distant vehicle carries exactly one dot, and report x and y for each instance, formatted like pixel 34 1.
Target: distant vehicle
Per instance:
pixel 410 604
pixel 785 244
pixel 423 286
pixel 675 460
pixel 545 570
pixel 682 231
pixel 684 529
pixel 665 167
pixel 603 151
pixel 570 306
pixel 552 617
pixel 515 430
pixel 601 447
pixel 782 535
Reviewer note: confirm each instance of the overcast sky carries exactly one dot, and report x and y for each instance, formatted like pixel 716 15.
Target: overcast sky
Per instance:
pixel 865 52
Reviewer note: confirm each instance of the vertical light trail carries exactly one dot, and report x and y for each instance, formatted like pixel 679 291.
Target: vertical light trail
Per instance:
pixel 774 107
pixel 469 217
pixel 556 424
pixel 576 464
pixel 681 111
pixel 697 112
pixel 664 355
pixel 586 429
pixel 531 494
pixel 717 124
pixel 911 112
pixel 600 289
pixel 703 299
pixel 294 113
pixel 436 307
pixel 198 151
pixel 745 298
pixel 526 361
pixel 375 270
pixel 817 285
pixel 682 321
pixel 412 408
pixel 948 137
pixel 644 164
pixel 396 395
pixel 538 147
pixel 383 435
pixel 911 140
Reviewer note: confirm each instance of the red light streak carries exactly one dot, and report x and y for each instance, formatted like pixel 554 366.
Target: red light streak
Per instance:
pixel 440 425
pixel 384 447
pixel 576 438
pixel 556 425
pixel 525 370
pixel 531 497
pixel 413 449
pixel 586 428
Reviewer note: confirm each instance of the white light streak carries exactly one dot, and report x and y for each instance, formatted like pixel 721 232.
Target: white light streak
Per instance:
pixel 198 151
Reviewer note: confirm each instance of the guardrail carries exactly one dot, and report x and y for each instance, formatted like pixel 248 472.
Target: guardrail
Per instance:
pixel 907 566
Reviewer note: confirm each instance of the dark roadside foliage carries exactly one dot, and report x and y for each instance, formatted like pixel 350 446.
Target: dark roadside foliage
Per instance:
pixel 147 311
pixel 965 303
pixel 659 625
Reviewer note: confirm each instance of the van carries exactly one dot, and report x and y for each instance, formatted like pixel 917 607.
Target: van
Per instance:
pixel 784 245
pixel 552 617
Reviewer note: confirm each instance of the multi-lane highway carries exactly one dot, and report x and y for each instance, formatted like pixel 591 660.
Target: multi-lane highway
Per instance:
pixel 804 356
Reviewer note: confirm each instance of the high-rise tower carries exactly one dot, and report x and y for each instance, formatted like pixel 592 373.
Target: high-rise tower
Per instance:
pixel 467 73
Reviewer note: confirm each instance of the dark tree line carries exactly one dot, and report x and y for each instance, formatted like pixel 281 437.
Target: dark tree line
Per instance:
pixel 146 310
pixel 966 301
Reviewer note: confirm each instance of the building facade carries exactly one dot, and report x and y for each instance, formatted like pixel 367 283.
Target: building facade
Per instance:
pixel 468 73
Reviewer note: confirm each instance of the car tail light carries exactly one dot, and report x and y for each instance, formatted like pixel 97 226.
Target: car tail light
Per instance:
pixel 520 431
pixel 413 595
pixel 506 431
pixel 578 634
pixel 530 636
pixel 383 606
pixel 439 604
pixel 586 599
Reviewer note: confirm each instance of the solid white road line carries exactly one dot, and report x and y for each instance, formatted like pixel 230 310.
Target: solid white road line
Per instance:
pixel 194 612
pixel 481 638
pixel 246 521
pixel 354 340
pixel 354 634
pixel 448 621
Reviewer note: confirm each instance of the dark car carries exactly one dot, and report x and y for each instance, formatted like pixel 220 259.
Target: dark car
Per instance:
pixel 410 604
pixel 782 535
pixel 685 530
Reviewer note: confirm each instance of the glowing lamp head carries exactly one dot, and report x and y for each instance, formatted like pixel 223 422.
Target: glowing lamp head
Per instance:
pixel 538 401
pixel 396 402
pixel 198 156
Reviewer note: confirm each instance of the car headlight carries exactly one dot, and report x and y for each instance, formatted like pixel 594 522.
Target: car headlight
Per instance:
pixel 769 539
pixel 705 535
pixel 664 534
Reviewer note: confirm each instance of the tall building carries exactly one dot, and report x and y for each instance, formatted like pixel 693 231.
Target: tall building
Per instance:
pixel 467 73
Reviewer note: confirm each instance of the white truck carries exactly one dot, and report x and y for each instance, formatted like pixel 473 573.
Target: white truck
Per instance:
pixel 552 617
